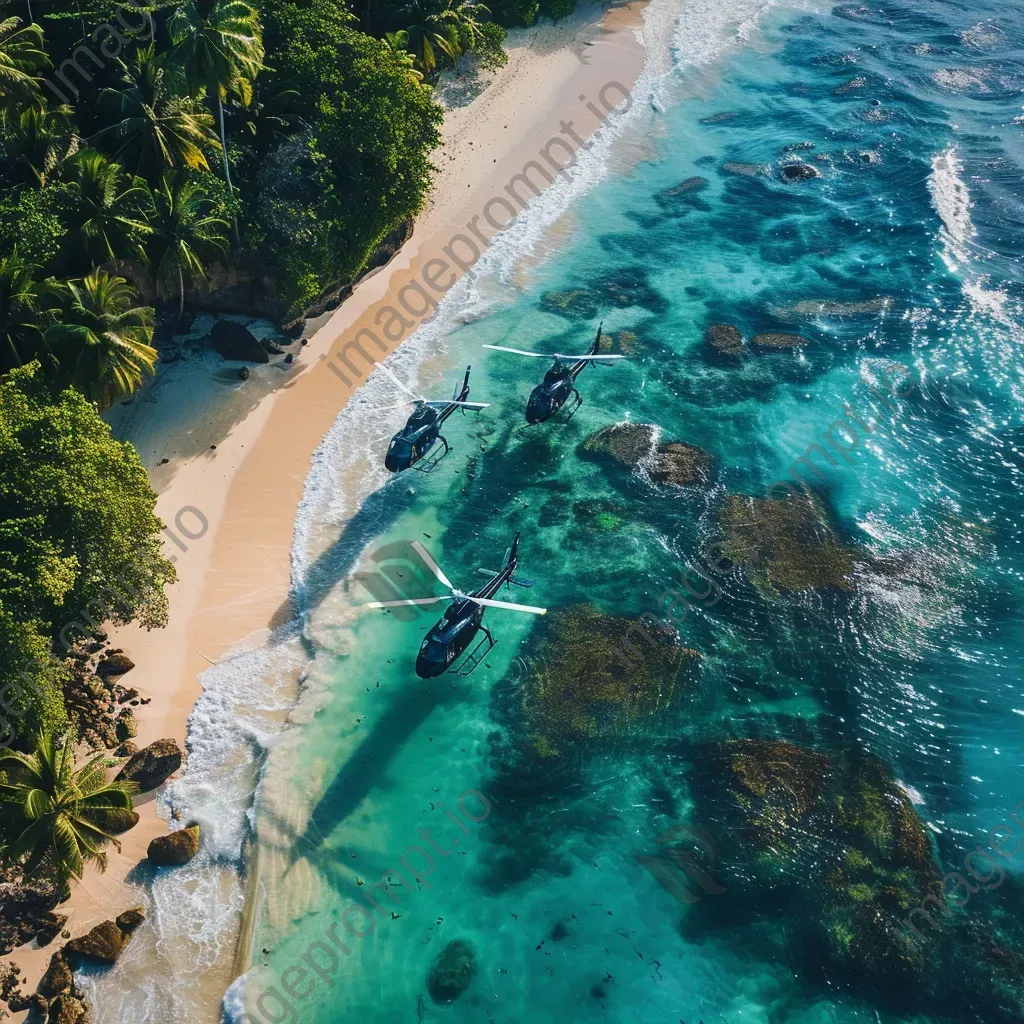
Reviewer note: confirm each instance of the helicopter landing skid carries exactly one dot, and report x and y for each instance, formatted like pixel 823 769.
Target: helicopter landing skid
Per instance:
pixel 472 662
pixel 563 417
pixel 431 462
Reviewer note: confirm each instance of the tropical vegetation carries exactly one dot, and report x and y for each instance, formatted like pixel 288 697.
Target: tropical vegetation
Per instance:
pixel 57 811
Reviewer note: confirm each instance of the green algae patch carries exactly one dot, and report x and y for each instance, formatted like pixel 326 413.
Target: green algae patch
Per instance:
pixel 785 545
pixel 596 676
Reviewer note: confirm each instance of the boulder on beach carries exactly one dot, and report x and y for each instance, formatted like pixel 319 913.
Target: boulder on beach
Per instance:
pixel 724 338
pixel 152 765
pixel 102 944
pixel 58 977
pixel 175 848
pixel 235 343
pixel 115 820
pixel 67 1009
pixel 800 172
pixel 451 973
pixel 114 663
pixel 777 340
pixel 125 725
pixel 130 919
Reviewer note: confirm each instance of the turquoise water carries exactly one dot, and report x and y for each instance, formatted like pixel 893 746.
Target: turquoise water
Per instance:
pixel 905 249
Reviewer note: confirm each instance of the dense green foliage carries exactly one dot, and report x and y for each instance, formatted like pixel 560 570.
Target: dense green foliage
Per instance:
pixel 331 192
pixel 79 542
pixel 55 810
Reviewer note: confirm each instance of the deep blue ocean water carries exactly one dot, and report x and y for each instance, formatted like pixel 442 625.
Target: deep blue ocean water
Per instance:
pixel 904 250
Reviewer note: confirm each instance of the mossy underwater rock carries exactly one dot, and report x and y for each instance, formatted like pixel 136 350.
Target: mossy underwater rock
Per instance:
pixel 600 515
pixel 451 973
pixel 785 545
pixel 833 836
pixel 595 676
pixel 778 340
pixel 724 338
pixel 631 445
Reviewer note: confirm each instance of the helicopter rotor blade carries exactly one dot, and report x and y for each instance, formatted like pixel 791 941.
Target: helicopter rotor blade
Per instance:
pixel 442 402
pixel 398 383
pixel 589 359
pixel 508 604
pixel 407 603
pixel 520 352
pixel 431 564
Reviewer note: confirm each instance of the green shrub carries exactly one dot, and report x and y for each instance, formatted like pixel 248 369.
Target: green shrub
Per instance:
pixel 513 13
pixel 559 9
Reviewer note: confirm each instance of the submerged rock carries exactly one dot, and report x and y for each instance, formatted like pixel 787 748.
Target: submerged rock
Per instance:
pixel 595 676
pixel 723 118
pixel 679 464
pixel 628 444
pixel 743 170
pixel 851 86
pixel 838 833
pixel 776 340
pixel 824 307
pixel 800 172
pixel 152 765
pixel 598 514
pixel 451 973
pixel 785 545
pixel 577 304
pixel 724 338
pixel 175 848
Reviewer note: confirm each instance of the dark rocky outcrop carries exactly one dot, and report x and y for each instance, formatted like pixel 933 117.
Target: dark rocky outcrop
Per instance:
pixel 152 765
pixel 631 445
pixel 724 338
pixel 67 1009
pixel 25 913
pixel 451 973
pixel 107 941
pixel 116 820
pixel 175 848
pixel 103 944
pixel 114 663
pixel 234 342
pixel 58 977
pixel 800 172
pixel 679 464
pixel 125 725
pixel 777 340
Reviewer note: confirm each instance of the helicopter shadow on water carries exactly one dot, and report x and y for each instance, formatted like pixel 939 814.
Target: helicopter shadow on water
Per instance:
pixel 377 514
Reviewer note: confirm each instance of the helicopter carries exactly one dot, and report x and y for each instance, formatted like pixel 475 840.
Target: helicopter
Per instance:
pixel 450 637
pixel 560 381
pixel 423 428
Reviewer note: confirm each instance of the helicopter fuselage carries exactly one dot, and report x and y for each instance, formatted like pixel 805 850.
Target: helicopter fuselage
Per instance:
pixel 449 638
pixel 418 436
pixel 558 385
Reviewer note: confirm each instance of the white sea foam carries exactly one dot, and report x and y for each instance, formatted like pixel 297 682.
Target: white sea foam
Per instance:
pixel 952 201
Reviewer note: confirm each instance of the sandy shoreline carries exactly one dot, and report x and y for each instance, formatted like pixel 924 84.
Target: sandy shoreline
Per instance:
pixel 234 579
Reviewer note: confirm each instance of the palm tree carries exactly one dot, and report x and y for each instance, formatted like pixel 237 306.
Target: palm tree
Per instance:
pixel 21 56
pixel 103 339
pixel 61 805
pixel 40 141
pixel 398 43
pixel 21 313
pixel 158 128
pixel 109 214
pixel 218 45
pixel 188 221
pixel 443 30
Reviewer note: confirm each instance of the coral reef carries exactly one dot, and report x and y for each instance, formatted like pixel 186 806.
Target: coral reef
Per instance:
pixel 785 545
pixel 597 676
pixel 451 973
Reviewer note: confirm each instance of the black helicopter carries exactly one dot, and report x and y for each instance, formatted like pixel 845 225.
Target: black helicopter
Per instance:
pixel 423 428
pixel 560 381
pixel 450 637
